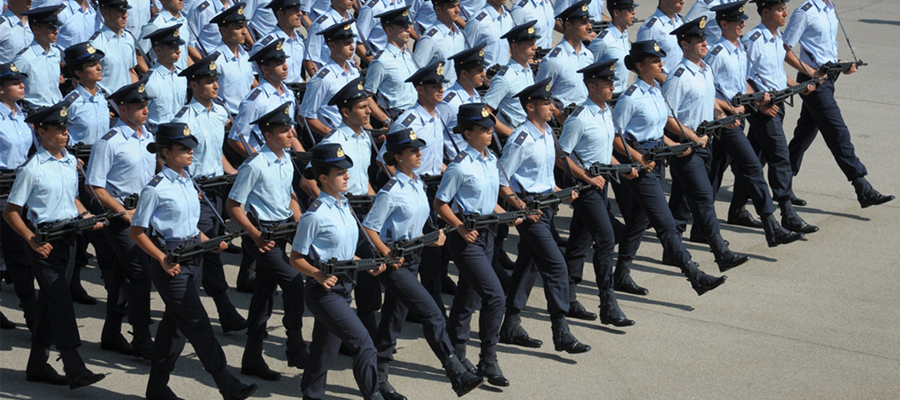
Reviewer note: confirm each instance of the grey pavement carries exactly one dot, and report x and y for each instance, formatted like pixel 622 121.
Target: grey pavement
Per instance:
pixel 816 319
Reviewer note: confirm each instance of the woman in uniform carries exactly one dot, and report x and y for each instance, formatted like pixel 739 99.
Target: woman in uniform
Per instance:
pixel 48 184
pixel 89 111
pixel 168 210
pixel 328 230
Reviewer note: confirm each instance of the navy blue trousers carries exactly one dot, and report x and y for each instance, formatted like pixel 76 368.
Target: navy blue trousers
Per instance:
pixel 539 253
pixel 478 284
pixel 590 226
pixel 748 173
pixel 767 139
pixel 691 187
pixel 214 282
pixel 54 312
pixel 131 267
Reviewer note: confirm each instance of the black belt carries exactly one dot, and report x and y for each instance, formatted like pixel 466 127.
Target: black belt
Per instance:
pixel 172 244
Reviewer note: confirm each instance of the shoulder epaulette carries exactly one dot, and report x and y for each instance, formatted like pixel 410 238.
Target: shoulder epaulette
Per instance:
pixel 755 36
pixel 149 72
pixel 153 18
pixel 523 3
pixel 449 97
pixel 266 40
pixel 314 206
pixel 555 52
pixel 72 96
pixel 603 34
pixel 253 95
pixel 679 72
pixel 2 21
pixel 203 6
pixel 109 134
pixel 481 16
pixel 252 156
pixel 806 7
pixel 502 71
pixel 389 185
pixel 432 32
pixel 707 1
pixel 21 51
pixel 380 52
pixel 409 120
pixel 155 181
pixel 577 111
pixel 521 138
pixel 322 73
pixel 459 157
pixel 182 111
pixel 95 35
pixel 650 22
pixel 321 19
pixel 630 90
pixel 372 3
pixel 717 50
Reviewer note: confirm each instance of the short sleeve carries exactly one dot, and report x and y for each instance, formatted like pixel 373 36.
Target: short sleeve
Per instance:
pixel 496 92
pixel 306 233
pixel 374 76
pixel 795 27
pixel 21 189
pixel 380 211
pixel 147 204
pixel 571 134
pixel 243 184
pixel 99 164
pixel 450 183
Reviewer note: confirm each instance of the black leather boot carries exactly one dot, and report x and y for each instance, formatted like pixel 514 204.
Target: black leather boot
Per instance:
pixel 610 313
pixel 384 385
pixel 77 374
pixel 461 380
pixel 792 221
pixel 296 354
pixel 489 368
pixel 563 340
pixel 252 362
pixel 512 332
pixel 725 258
pixel 776 234
pixel 158 386
pixel 38 370
pixel 460 350
pixel 867 195
pixel 701 281
pixel 231 388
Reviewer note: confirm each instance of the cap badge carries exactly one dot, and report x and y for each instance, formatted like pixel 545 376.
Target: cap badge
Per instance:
pixel 340 152
pixel 12 67
pixel 212 65
pixel 187 132
pixel 656 47
pixel 347 27
pixel 584 7
pixel 405 13
pixel 141 88
pixel 90 49
pixel 176 33
pixel 287 110
pixel 484 112
pixel 440 69
pixel 612 67
pixel 278 46
pixel 741 10
pixel 412 136
pixel 547 88
pixel 241 10
pixel 63 112
pixel 481 52
pixel 530 30
pixel 703 23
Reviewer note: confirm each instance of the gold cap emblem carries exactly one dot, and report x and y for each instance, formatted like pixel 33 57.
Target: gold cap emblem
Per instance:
pixel 485 112
pixel 90 49
pixel 12 67
pixel 584 7
pixel 359 86
pixel 176 33
pixel 481 52
pixel 63 112
pixel 440 69
pixel 278 46
pixel 655 47
pixel 703 23
pixel 612 67
pixel 412 136
pixel 212 65
pixel 340 152
pixel 187 132
pixel 547 88
pixel 741 9
pixel 287 110
pixel 241 10
pixel 406 13
pixel 141 88
pixel 530 30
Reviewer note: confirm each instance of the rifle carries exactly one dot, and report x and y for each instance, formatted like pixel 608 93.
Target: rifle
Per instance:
pixel 6 184
pixel 432 180
pixel 600 26
pixel 81 150
pixel 833 68
pixel 540 53
pixel 712 127
pixel 186 252
pixel 554 198
pixel 360 203
pixel 493 70
pixel 47 233
pixel 278 231
pixel 778 96
pixel 612 171
pixel 299 89
pixel 555 125
pixel 491 221
pixel 411 247
pixel 130 202
pixel 748 99
pixel 300 157
pixel 662 153
pixel 348 267
pixel 220 184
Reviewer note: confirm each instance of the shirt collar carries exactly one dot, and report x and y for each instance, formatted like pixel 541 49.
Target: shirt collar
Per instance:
pixel 492 12
pixel 334 66
pixel 396 51
pixel 418 109
pixel 644 86
pixel 43 156
pixel 269 88
pixel 462 93
pixel 173 176
pixel 533 130
pixel 270 156
pixel 571 50
pixel 8 112
pixel 199 108
pixel 84 93
pixel 819 4
pixel 665 18
pixel 403 178
pixel 729 46
pixel 475 155
pixel 329 200
pixel 592 107
pixel 690 66
pixel 14 19
pixel 768 34
pixel 108 31
pixel 126 130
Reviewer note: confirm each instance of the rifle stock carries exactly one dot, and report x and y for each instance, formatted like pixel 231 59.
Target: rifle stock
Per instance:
pixel 186 252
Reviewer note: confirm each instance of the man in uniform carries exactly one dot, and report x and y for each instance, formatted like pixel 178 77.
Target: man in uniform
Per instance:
pixel 442 39
pixel 370 30
pixel 204 35
pixel 15 34
pixel 287 15
pixel 233 61
pixel 41 59
pixel 663 21
pixel 389 70
pixel 613 42
pixel 166 89
pixel 512 78
pixel 704 8
pixel 118 45
pixel 316 48
pixel 321 117
pixel 570 55
pixel 170 15
pixel 486 27
pixel 469 66
pixel 525 11
pixel 78 21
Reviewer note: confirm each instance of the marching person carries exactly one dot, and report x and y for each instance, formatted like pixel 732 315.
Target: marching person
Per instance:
pixel 120 166
pixel 165 87
pixel 589 134
pixel 814 26
pixel 15 34
pixel 41 59
pixel 316 49
pixel 206 118
pixel 118 44
pixel 525 11
pixel 166 217
pixel 613 42
pixel 400 211
pixel 78 21
pixel 326 231
pixel 642 114
pixel 48 185
pixel 88 108
pixel 664 20
pixel 527 170
pixel 486 27
pixel 470 187
pixel 322 117
pixel 287 15
pixel 442 39
pixel 263 189
pixel 512 78
pixel 388 71
pixel 469 65
pixel 237 73
pixel 171 14
pixel 570 55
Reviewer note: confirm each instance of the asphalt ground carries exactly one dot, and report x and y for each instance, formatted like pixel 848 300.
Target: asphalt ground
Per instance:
pixel 816 319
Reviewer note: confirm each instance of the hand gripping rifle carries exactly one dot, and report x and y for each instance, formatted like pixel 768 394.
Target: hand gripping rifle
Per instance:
pixel 712 128
pixel 48 232
pixel 411 248
pixel 552 199
pixel 788 93
pixel 186 252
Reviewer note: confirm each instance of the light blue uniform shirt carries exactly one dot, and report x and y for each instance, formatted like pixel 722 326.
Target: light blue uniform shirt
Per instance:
pixel 428 128
pixel 528 159
pixel 206 36
pixel 120 162
pixel 611 44
pixel 370 27
pixel 730 67
pixel 815 26
pixel 235 76
pixel 327 230
pixel 509 81
pixel 561 66
pixel 15 138
pixel 315 8
pixel 469 8
pixel 167 92
pixel 261 100
pixel 766 54
pixel 170 205
pixel 293 47
pixel 15 35
pixel 401 209
pixel 42 67
pixel 120 57
pixel 449 108
pixel 263 185
pixel 595 8
pixel 589 131
pixel 423 14
pixel 641 111
pixel 691 92
pixel 208 126
pixel 138 16
pixel 88 115
pixel 316 49
pixel 658 27
pixel 262 19
pixel 359 149
pixel 47 186
pixel 472 182
pixel 164 19
pixel 487 27
pixel 438 43
pixel 536 10
pixel 387 76
pixel 702 8
pixel 76 25
pixel 321 88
